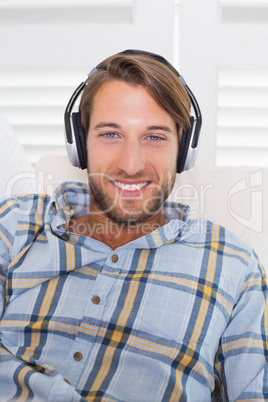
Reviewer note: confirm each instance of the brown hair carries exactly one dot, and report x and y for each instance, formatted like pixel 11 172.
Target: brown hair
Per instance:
pixel 161 82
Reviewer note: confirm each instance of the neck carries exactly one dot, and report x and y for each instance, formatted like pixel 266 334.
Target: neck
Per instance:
pixel 113 234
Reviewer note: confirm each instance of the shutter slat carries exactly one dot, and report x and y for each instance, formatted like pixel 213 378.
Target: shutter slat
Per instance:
pixel 28 96
pixel 243 97
pixel 248 3
pixel 242 156
pixel 232 137
pixel 54 3
pixel 239 77
pixel 242 117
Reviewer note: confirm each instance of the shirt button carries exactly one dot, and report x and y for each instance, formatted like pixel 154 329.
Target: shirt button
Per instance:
pixel 95 299
pixel 65 236
pixel 115 258
pixel 78 356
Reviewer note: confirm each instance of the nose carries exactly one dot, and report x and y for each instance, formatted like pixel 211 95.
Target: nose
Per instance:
pixel 131 159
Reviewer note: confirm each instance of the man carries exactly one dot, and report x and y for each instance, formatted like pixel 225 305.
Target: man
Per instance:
pixel 112 293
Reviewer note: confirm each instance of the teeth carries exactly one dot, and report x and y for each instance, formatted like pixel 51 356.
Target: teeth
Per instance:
pixel 128 187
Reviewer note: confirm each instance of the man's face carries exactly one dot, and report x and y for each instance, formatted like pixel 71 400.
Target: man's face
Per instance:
pixel 132 147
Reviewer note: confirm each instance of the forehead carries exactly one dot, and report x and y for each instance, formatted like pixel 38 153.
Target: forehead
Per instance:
pixel 118 90
pixel 118 98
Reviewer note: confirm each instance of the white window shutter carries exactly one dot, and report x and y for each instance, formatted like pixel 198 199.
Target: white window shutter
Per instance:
pixel 242 121
pixel 223 48
pixel 33 100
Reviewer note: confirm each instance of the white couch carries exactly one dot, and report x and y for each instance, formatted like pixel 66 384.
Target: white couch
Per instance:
pixel 233 197
pixel 16 172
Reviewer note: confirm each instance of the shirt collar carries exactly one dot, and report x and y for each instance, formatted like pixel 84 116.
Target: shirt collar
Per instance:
pixel 71 199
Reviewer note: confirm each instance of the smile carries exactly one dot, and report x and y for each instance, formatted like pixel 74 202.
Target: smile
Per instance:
pixel 130 187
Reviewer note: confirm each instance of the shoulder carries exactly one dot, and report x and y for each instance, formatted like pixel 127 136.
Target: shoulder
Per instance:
pixel 25 204
pixel 220 242
pixel 217 253
pixel 22 209
pixel 206 230
pixel 21 217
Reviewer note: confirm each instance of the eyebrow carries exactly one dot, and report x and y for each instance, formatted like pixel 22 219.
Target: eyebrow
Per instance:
pixel 161 128
pixel 101 125
pixel 150 128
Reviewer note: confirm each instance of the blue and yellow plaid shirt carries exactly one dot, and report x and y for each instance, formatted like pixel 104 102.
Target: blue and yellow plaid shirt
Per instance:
pixel 161 318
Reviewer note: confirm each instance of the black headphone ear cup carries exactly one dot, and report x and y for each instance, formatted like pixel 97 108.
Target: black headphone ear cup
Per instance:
pixel 80 139
pixel 184 146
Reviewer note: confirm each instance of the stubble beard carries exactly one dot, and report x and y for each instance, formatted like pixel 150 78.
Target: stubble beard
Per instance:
pixel 126 212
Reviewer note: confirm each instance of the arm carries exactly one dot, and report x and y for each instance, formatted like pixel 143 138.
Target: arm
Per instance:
pixel 242 360
pixel 5 251
pixel 19 379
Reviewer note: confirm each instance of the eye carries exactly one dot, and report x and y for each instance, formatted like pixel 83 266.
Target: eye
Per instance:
pixel 109 135
pixel 155 138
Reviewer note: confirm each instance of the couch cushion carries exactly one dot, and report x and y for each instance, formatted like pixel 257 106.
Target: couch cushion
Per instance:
pixel 232 197
pixel 17 174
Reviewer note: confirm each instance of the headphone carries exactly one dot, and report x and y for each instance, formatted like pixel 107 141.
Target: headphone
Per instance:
pixel 75 136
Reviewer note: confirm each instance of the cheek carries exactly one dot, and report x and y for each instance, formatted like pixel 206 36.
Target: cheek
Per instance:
pixel 94 158
pixel 174 156
pixel 99 159
pixel 167 161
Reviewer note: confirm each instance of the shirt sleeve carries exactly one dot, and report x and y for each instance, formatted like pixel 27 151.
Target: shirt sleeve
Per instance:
pixel 20 380
pixel 3 263
pixel 6 242
pixel 241 363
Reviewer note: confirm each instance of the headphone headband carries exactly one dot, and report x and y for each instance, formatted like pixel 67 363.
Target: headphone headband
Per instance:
pixel 75 137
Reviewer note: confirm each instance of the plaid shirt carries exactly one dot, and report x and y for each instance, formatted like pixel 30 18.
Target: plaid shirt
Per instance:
pixel 158 319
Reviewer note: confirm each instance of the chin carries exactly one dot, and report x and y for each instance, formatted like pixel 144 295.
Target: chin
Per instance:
pixel 132 217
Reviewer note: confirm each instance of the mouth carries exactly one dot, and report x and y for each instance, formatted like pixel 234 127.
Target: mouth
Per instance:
pixel 130 187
